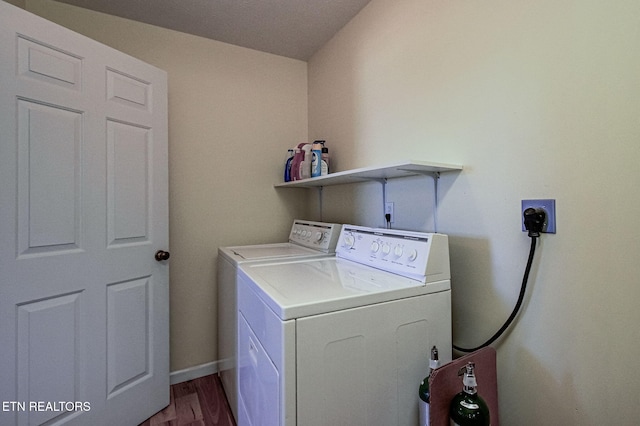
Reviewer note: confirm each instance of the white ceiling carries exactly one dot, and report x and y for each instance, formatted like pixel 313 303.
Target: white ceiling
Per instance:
pixel 292 28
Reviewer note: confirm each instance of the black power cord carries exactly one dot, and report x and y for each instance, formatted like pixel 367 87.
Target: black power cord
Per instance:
pixel 533 222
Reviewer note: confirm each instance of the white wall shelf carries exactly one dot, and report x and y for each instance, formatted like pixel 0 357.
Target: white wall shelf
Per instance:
pixel 374 173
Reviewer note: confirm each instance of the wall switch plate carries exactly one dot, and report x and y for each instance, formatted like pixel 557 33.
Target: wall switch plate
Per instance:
pixel 549 207
pixel 388 210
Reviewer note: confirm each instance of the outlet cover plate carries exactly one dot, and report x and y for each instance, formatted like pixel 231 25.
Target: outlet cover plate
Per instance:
pixel 549 207
pixel 388 209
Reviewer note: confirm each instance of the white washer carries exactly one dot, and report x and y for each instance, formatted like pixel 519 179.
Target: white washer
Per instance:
pixel 343 340
pixel 306 239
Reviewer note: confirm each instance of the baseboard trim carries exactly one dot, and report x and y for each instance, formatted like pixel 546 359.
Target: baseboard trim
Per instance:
pixel 194 372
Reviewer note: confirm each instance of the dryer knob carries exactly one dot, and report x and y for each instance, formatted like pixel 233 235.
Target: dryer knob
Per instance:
pixel 413 255
pixel 349 241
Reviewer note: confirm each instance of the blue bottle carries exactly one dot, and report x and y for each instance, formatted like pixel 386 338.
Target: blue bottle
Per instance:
pixel 287 166
pixel 316 162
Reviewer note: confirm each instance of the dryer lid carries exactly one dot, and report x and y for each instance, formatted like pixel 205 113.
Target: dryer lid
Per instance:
pixel 267 251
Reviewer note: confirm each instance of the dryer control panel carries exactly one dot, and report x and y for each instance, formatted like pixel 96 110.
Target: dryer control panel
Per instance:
pixel 316 235
pixel 417 255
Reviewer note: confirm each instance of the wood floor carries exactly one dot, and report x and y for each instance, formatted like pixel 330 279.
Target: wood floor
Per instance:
pixel 198 402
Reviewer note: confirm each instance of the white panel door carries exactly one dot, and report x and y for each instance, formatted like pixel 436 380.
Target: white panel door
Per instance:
pixel 84 309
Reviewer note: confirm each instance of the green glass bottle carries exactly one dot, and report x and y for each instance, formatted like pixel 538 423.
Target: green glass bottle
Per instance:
pixel 424 392
pixel 468 408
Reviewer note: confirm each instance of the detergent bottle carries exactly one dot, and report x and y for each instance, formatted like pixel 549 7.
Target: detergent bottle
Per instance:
pixel 316 160
pixel 305 164
pixel 325 161
pixel 298 156
pixel 287 165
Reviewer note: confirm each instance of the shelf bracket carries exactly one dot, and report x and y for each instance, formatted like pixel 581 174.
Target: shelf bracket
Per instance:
pixel 383 181
pixel 320 189
pixel 436 177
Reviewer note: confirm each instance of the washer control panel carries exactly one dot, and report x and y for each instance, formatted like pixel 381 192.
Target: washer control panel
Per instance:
pixel 407 253
pixel 316 235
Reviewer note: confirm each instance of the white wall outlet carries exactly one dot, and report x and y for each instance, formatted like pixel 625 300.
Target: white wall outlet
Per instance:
pixel 388 210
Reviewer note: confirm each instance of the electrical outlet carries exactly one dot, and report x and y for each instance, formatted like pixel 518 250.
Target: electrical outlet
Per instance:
pixel 388 210
pixel 549 207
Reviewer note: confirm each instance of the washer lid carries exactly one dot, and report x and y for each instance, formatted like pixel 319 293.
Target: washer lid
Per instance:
pixel 303 287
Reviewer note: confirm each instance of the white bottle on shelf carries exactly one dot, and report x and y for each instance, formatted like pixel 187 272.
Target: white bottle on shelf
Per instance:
pixel 305 165
pixel 325 161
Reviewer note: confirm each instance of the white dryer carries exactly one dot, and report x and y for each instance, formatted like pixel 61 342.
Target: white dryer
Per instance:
pixel 343 340
pixel 307 239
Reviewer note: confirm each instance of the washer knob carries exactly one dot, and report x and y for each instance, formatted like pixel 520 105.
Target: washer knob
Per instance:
pixel 375 247
pixel 386 249
pixel 319 236
pixel 397 251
